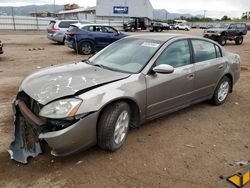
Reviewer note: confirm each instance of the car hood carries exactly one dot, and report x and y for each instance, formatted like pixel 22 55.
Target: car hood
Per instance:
pixel 55 82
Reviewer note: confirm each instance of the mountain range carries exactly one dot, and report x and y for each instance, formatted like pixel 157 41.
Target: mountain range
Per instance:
pixel 162 14
pixel 26 10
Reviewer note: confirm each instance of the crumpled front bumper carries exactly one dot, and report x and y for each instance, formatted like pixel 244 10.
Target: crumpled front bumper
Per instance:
pixel 28 135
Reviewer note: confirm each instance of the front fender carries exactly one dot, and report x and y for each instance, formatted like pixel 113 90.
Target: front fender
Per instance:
pixel 133 88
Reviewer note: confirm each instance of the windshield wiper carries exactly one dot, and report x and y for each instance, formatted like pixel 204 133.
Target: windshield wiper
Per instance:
pixel 99 65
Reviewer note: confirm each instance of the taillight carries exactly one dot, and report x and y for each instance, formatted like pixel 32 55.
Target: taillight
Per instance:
pixel 55 29
pixel 73 34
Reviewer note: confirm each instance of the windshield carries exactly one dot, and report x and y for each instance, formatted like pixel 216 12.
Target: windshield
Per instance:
pixel 221 25
pixel 127 55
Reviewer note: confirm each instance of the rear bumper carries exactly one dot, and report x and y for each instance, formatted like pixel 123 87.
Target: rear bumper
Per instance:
pixel 55 37
pixel 28 135
pixel 70 44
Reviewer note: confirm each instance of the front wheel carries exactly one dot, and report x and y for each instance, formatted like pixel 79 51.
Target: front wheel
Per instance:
pixel 113 126
pixel 221 92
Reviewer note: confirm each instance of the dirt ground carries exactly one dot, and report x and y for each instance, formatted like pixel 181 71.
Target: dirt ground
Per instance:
pixel 156 155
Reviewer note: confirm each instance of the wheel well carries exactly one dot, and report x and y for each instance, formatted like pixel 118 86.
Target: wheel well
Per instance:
pixel 135 117
pixel 79 43
pixel 231 79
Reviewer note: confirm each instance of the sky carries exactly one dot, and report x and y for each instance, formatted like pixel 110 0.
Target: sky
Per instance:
pixel 212 8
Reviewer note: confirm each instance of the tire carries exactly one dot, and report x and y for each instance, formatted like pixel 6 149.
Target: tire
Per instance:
pixel 132 29
pixel 177 28
pixel 85 48
pixel 222 41
pixel 109 136
pixel 186 29
pixel 222 90
pixel 239 40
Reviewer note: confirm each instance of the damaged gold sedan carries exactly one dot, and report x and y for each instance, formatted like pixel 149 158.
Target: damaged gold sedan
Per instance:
pixel 75 106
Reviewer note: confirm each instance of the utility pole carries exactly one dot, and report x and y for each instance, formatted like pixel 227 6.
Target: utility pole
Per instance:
pixel 54 8
pixel 205 14
pixel 13 18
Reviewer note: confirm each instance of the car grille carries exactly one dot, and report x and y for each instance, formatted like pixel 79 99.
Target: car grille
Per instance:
pixel 50 124
pixel 33 105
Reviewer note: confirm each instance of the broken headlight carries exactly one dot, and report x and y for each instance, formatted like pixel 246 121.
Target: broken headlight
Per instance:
pixel 64 108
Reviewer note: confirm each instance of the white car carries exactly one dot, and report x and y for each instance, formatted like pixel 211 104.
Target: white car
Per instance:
pixel 182 27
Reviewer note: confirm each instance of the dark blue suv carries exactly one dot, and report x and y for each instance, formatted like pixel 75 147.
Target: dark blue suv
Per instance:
pixel 87 38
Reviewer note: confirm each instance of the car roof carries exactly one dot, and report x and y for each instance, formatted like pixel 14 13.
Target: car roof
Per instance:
pixel 90 24
pixel 166 37
pixel 158 37
pixel 64 20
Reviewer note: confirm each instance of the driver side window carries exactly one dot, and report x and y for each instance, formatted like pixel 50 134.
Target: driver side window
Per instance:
pixel 176 55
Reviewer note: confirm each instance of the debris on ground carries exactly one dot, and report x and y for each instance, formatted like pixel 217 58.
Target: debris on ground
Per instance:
pixel 221 177
pixel 242 163
pixel 190 146
pixel 79 162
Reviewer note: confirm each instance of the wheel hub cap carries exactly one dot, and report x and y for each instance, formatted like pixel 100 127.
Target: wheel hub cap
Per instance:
pixel 223 91
pixel 121 127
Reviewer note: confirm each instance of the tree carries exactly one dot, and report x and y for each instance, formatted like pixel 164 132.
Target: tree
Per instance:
pixel 225 18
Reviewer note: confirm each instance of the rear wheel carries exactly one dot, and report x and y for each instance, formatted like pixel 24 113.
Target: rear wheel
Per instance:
pixel 239 40
pixel 222 40
pixel 85 48
pixel 132 29
pixel 222 90
pixel 113 126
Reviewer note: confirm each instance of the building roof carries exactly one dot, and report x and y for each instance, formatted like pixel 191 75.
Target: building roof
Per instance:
pixel 77 10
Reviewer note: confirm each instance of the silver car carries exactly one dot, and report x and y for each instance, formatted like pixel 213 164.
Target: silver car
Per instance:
pixel 136 79
pixel 57 29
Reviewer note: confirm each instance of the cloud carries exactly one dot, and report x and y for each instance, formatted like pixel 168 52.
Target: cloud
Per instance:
pixel 214 8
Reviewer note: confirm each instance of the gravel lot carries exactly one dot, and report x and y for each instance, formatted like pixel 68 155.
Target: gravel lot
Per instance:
pixel 156 155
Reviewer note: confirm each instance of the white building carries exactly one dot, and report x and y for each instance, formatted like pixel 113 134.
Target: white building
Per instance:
pixel 120 9
pixel 78 14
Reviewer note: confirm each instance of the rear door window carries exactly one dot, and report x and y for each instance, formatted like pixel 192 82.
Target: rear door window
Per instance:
pixel 203 50
pixel 72 28
pixel 93 28
pixel 66 24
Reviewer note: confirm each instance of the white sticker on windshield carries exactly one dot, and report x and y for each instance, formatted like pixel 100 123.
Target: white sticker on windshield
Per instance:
pixel 150 44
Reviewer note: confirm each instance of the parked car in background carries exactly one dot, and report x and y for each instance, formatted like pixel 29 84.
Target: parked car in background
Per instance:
pixel 1 47
pixel 87 38
pixel 182 27
pixel 72 107
pixel 134 24
pixel 57 28
pixel 156 26
pixel 224 32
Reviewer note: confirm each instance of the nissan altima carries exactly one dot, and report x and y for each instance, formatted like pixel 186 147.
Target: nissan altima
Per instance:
pixel 72 107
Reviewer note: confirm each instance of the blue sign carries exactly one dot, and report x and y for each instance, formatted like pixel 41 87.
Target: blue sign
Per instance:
pixel 120 10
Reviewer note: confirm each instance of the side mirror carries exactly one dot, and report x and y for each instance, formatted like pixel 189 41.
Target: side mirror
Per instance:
pixel 163 69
